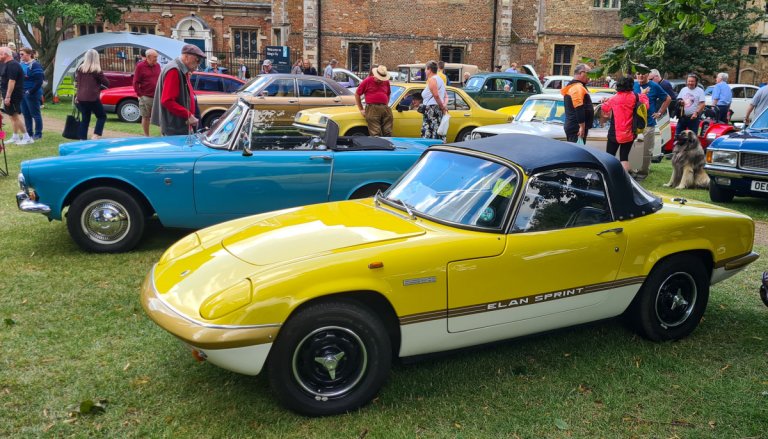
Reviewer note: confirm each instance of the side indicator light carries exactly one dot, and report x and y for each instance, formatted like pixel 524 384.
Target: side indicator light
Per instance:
pixel 373 265
pixel 199 355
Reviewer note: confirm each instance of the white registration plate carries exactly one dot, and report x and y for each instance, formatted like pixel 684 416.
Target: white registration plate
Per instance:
pixel 760 186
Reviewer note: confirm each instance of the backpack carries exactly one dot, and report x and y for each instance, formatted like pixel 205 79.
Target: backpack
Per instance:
pixel 639 116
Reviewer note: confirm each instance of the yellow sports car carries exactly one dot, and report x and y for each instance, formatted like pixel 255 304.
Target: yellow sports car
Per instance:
pixel 486 240
pixel 466 115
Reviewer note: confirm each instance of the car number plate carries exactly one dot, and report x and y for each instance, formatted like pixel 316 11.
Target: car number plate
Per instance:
pixel 760 186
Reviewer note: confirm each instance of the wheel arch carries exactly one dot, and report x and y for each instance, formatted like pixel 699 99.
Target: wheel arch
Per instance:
pixel 705 256
pixel 373 300
pixel 356 127
pixel 361 189
pixel 143 201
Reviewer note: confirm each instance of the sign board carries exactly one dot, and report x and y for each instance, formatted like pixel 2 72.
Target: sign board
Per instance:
pixel 281 58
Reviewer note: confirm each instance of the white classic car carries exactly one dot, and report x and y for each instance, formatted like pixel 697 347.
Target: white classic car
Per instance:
pixel 742 96
pixel 544 115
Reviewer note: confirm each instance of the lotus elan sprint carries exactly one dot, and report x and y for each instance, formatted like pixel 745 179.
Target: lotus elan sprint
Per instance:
pixel 479 241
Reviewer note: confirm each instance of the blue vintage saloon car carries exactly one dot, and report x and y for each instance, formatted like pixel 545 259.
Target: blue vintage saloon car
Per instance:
pixel 738 164
pixel 112 186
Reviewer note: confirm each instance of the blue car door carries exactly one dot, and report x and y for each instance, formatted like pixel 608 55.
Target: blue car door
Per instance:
pixel 230 185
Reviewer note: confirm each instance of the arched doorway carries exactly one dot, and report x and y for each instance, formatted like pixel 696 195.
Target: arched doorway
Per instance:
pixel 194 30
pixel 748 76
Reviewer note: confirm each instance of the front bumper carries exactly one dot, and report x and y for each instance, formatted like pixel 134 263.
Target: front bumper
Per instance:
pixel 25 204
pixel 728 267
pixel 239 348
pixel 739 180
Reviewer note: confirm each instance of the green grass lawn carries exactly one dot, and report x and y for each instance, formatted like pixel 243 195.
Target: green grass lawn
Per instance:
pixel 72 330
pixel 64 108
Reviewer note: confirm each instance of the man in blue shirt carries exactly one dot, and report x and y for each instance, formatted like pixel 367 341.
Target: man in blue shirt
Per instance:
pixel 659 101
pixel 214 65
pixel 722 97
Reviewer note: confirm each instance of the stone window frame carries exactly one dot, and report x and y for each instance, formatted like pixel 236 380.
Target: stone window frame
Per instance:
pixel 130 25
pixel 570 65
pixel 463 47
pixel 606 4
pixel 98 28
pixel 233 30
pixel 350 63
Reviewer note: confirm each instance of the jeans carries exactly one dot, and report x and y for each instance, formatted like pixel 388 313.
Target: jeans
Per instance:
pixel 30 108
pixel 86 108
pixel 722 112
pixel 688 123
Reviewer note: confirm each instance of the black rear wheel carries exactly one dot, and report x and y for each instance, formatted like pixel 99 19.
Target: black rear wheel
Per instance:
pixel 368 191
pixel 359 131
pixel 464 134
pixel 672 300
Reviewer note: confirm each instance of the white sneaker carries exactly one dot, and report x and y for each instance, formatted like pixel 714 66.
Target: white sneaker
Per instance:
pixel 13 139
pixel 25 141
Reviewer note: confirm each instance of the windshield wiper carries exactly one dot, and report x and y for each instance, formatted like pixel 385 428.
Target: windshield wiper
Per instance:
pixel 379 196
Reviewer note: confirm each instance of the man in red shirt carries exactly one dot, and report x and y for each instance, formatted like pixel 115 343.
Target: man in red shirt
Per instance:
pixel 377 113
pixel 144 83
pixel 174 104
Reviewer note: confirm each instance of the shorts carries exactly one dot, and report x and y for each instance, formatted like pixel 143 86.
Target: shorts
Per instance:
pixel 14 107
pixel 145 106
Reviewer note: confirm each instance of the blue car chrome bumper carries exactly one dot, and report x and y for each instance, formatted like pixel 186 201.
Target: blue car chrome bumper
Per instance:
pixel 27 205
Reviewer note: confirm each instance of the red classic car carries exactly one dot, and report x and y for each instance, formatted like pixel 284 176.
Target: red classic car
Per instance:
pixel 124 102
pixel 709 130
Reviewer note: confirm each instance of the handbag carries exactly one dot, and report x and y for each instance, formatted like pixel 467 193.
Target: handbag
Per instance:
pixel 442 130
pixel 72 125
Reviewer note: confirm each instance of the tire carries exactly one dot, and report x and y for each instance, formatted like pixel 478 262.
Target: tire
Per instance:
pixel 329 358
pixel 464 134
pixel 718 194
pixel 210 118
pixel 368 191
pixel 764 289
pixel 672 300
pixel 105 220
pixel 359 131
pixel 128 111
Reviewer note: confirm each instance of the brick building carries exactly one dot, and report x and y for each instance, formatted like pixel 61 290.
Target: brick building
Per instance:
pixel 550 34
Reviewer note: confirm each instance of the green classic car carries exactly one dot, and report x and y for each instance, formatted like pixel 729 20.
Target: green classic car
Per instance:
pixel 497 90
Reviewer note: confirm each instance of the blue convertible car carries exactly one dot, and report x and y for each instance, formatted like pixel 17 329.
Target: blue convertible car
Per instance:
pixel 111 187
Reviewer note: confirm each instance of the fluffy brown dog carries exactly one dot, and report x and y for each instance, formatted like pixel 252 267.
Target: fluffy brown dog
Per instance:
pixel 688 163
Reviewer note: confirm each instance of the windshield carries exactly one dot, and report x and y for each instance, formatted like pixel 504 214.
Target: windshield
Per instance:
pixel 224 129
pixel 474 83
pixel 761 123
pixel 457 188
pixel 395 94
pixel 254 84
pixel 541 110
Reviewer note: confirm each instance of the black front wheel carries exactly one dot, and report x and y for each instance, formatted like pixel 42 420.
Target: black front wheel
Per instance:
pixel 719 194
pixel 464 134
pixel 105 220
pixel 329 358
pixel 128 111
pixel 764 289
pixel 672 299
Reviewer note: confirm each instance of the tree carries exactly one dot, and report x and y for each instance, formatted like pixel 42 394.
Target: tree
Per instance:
pixel 43 22
pixel 679 36
pixel 690 50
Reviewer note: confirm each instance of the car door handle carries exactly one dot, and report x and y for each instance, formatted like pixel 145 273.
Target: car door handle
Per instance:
pixel 467 114
pixel 337 100
pixel 616 230
pixel 292 101
pixel 327 158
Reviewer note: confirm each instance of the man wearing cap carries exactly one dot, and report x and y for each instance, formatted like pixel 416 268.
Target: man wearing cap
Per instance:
pixel 173 109
pixel 266 67
pixel 377 113
pixel 213 66
pixel 328 72
pixel 144 83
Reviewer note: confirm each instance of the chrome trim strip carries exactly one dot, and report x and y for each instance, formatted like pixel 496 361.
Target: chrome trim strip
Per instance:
pixel 312 128
pixel 196 322
pixel 733 172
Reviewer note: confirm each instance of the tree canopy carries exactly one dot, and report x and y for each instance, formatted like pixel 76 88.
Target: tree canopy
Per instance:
pixel 681 36
pixel 43 22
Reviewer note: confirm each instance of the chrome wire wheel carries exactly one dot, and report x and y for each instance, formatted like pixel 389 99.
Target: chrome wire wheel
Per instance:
pixel 105 221
pixel 676 299
pixel 329 362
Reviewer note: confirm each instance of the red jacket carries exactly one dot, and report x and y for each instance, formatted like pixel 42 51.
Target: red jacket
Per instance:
pixel 623 104
pixel 145 79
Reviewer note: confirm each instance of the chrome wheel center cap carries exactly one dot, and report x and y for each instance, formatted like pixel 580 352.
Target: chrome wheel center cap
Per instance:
pixel 330 363
pixel 679 301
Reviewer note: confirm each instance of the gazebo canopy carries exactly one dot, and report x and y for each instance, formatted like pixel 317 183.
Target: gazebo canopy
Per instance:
pixel 70 51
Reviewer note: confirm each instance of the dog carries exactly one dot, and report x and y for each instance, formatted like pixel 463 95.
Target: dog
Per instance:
pixel 688 163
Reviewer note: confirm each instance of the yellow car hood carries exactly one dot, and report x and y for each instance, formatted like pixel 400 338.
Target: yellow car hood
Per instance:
pixel 318 229
pixel 313 115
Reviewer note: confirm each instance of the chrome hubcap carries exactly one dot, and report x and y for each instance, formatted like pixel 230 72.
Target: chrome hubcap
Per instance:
pixel 130 112
pixel 676 299
pixel 329 362
pixel 105 221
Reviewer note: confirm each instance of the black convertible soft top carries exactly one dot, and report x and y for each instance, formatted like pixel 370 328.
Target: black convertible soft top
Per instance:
pixel 536 154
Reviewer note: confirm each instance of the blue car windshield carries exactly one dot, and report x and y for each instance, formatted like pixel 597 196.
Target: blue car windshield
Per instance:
pixel 761 123
pixel 458 189
pixel 221 132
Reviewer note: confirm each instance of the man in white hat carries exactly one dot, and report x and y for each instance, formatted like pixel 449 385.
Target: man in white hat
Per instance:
pixel 266 67
pixel 213 65
pixel 377 113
